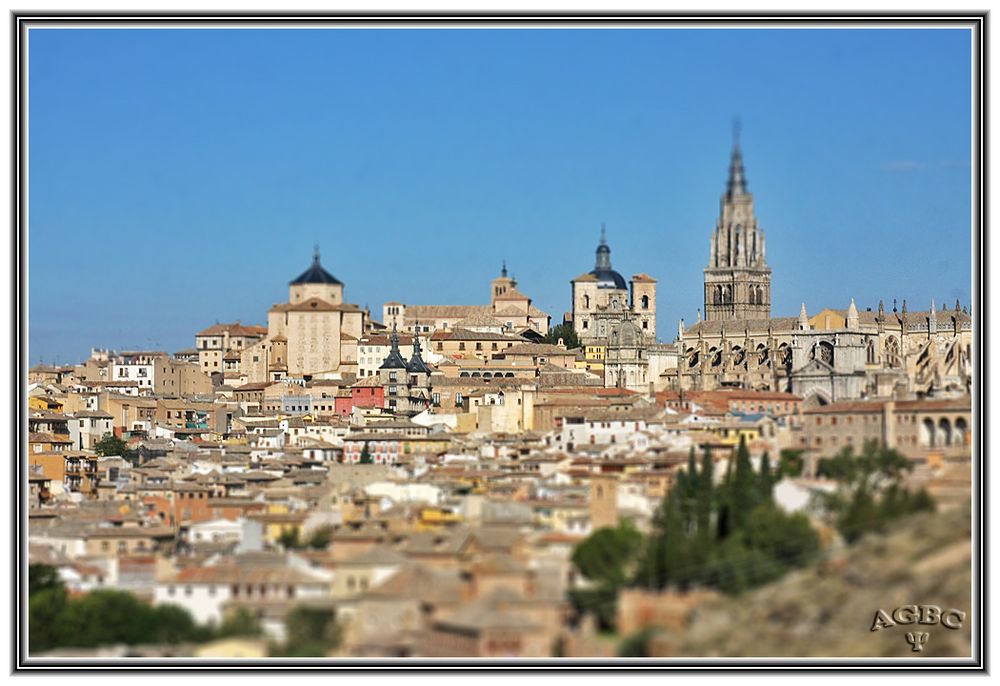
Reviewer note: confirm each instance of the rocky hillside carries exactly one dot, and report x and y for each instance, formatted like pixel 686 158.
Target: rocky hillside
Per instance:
pixel 828 610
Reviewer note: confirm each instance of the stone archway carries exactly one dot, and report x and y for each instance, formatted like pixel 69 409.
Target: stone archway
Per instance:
pixel 928 435
pixel 944 432
pixel 961 435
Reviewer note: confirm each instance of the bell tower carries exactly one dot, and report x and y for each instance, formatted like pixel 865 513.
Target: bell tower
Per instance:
pixel 737 279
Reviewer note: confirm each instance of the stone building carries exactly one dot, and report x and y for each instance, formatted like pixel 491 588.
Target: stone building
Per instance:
pixel 833 356
pixel 626 359
pixel 737 279
pixel 407 385
pixel 917 428
pixel 601 297
pixel 314 334
pixel 510 311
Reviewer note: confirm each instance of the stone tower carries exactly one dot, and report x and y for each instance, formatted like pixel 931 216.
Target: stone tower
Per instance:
pixel 603 501
pixel 737 279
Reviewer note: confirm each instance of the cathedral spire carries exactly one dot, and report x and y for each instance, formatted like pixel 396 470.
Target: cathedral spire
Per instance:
pixel 852 316
pixel 737 183
pixel 803 318
pixel 503 269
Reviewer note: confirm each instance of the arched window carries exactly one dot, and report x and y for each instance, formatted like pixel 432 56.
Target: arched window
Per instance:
pixel 961 429
pixel 927 433
pixel 645 302
pixel 892 352
pixel 717 295
pixel 944 432
pixel 760 295
pixel 586 302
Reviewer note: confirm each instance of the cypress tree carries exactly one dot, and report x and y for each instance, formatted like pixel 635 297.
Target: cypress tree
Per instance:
pixel 744 490
pixel 766 479
pixel 705 494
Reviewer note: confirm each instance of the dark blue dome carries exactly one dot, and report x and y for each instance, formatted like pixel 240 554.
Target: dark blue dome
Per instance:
pixel 316 274
pixel 609 278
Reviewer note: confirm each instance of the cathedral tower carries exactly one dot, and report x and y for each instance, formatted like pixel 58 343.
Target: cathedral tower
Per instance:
pixel 737 279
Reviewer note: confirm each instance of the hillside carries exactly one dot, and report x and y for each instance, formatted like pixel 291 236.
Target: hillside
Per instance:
pixel 827 610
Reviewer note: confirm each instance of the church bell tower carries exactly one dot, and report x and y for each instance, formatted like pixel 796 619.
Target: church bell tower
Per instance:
pixel 737 279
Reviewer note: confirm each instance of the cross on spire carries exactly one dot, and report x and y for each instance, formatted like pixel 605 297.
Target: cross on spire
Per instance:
pixel 316 253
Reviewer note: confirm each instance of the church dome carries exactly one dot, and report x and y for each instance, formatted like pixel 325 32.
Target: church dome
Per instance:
pixel 606 276
pixel 316 274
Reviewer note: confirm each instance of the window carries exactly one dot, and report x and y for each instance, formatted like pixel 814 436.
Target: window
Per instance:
pixel 171 591
pixel 461 346
pixel 479 346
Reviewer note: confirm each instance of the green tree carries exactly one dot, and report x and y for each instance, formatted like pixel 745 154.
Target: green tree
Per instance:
pixel 289 538
pixel 601 601
pixel 111 445
pixel 608 555
pixel 787 538
pixel 366 457
pixel 46 610
pixel 310 632
pixel 870 491
pixel 733 538
pixel 566 333
pixel 320 538
pixel 791 462
pixel 743 490
pixel 239 623
pixel 637 644
pixel 767 480
pixel 41 577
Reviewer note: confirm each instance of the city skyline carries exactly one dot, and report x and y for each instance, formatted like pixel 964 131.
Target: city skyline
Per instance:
pixel 222 216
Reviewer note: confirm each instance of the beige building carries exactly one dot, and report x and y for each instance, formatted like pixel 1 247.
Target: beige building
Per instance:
pixel 373 348
pixel 601 298
pixel 917 428
pixel 314 334
pixel 216 341
pixel 832 356
pixel 737 279
pixel 460 343
pixel 509 311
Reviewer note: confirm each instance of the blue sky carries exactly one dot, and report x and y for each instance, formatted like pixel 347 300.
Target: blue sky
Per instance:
pixel 181 177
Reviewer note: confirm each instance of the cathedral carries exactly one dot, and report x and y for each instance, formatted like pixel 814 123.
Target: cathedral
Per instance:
pixel 602 299
pixel 834 355
pixel 737 279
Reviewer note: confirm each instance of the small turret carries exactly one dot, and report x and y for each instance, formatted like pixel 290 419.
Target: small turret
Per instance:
pixel 803 319
pixel 852 316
